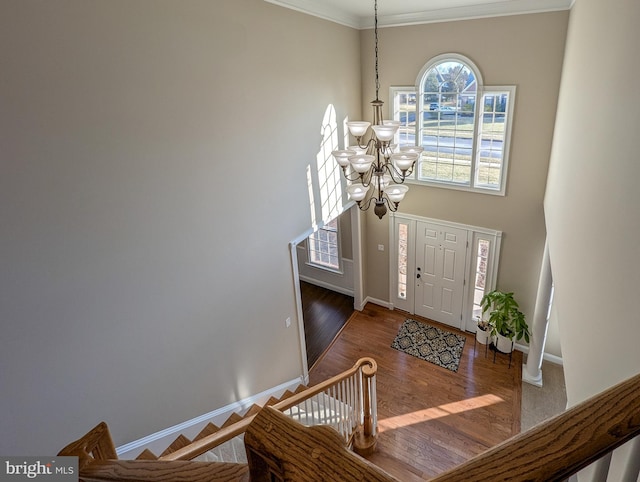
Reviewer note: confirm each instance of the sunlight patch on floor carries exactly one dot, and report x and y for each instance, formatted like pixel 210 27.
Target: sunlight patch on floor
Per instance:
pixel 440 411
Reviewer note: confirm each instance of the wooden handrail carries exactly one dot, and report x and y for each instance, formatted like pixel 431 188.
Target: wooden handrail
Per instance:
pixel 563 445
pixel 366 364
pixel 280 449
pixel 551 451
pixel 165 471
pixel 96 444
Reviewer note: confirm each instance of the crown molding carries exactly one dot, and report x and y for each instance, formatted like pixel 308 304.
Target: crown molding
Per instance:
pixel 319 9
pixel 499 8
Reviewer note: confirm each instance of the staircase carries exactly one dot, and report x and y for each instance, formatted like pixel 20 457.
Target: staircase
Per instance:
pixel 345 405
pixel 230 451
pixel 280 447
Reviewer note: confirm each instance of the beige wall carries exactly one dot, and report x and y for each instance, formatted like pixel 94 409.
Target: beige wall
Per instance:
pixel 145 266
pixel 592 200
pixel 523 50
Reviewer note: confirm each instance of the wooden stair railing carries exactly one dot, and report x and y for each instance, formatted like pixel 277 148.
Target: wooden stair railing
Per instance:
pixel 98 461
pixel 353 388
pixel 279 450
pixel 563 445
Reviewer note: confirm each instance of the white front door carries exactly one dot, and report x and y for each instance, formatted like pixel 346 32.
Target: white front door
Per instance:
pixel 439 272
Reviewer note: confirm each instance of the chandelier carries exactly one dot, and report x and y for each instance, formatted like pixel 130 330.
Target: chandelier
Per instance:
pixel 375 168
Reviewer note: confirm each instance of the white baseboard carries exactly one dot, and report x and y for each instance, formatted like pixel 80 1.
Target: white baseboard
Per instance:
pixel 378 302
pixel 546 356
pixel 159 441
pixel 329 286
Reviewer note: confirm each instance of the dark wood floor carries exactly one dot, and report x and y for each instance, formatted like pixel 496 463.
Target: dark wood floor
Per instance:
pixel 430 419
pixel 324 312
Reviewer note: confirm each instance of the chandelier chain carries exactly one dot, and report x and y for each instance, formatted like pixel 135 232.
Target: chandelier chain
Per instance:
pixel 375 31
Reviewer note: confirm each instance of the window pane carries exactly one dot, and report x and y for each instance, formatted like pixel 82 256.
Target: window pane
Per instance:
pixel 404 110
pixel 323 246
pixel 491 140
pixel 403 236
pixel 447 123
pixel 482 257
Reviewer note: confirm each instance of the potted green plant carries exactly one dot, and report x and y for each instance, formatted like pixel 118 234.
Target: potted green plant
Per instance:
pixel 506 320
pixel 483 333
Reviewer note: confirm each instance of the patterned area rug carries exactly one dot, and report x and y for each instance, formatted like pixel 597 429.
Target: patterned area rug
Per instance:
pixel 429 343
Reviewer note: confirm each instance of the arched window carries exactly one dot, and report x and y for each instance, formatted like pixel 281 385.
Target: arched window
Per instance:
pixel 462 125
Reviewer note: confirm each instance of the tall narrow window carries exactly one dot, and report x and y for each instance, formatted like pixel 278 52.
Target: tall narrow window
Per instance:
pixel 482 259
pixel 403 238
pixel 492 139
pixel 323 247
pixel 404 111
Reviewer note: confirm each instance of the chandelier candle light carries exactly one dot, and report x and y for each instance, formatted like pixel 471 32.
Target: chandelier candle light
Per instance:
pixel 377 171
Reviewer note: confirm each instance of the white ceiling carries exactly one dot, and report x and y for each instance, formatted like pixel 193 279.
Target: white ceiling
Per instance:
pixel 359 13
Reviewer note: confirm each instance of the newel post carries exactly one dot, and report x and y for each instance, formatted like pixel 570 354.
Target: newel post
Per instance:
pixel 365 439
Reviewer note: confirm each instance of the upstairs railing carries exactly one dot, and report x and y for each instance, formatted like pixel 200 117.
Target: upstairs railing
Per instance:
pixel 279 450
pixel 347 402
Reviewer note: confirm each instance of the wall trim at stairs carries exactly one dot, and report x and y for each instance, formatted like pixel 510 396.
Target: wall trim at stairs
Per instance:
pixel 157 442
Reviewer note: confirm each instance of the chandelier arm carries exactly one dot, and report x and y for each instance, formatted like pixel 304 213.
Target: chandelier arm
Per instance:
pixel 393 206
pixel 366 202
pixel 371 142
pixel 354 176
pixel 395 174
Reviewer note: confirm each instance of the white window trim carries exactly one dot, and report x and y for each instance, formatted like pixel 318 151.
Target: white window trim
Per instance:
pixel 506 148
pixel 395 90
pixel 480 92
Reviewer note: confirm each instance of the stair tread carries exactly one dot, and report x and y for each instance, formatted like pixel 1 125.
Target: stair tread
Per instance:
pixel 254 409
pixel 271 401
pixel 178 443
pixel 147 454
pixel 233 418
pixel 286 394
pixel 209 429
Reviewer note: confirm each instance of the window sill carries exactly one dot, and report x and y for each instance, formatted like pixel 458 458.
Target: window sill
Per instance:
pixel 338 271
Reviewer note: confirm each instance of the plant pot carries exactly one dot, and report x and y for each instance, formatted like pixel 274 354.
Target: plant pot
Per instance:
pixel 503 344
pixel 483 336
